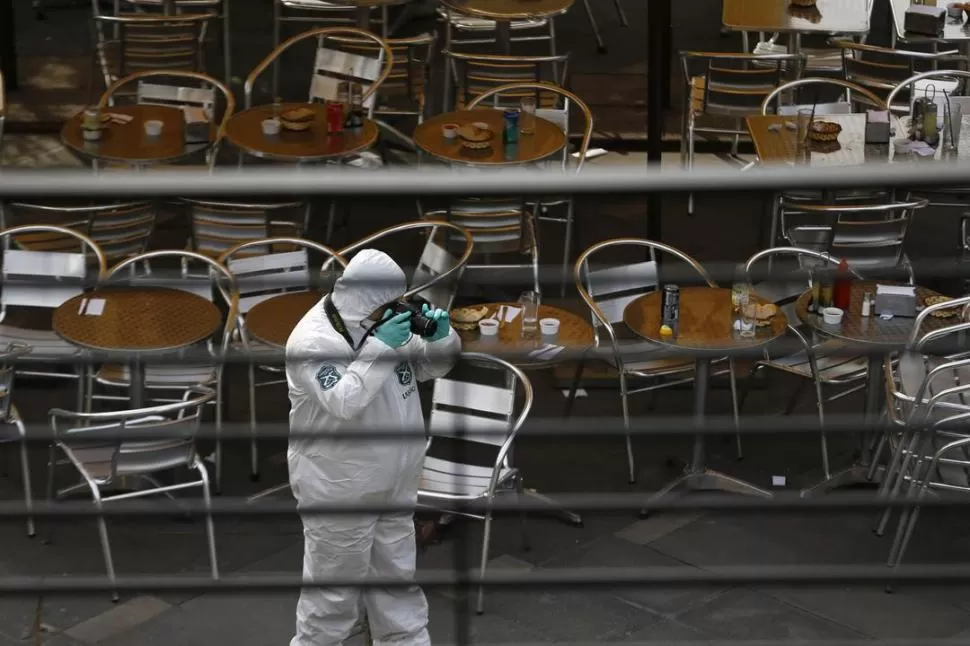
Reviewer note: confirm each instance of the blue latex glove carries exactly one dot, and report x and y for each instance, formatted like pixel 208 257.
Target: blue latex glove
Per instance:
pixel 441 318
pixel 395 330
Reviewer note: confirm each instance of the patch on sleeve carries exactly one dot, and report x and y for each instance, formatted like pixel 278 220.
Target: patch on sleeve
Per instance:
pixel 327 376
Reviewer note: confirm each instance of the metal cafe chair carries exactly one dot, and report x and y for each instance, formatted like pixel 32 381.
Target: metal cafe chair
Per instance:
pixel 558 113
pixel 12 428
pixel 260 274
pixel 824 361
pixel 474 413
pixel 138 443
pixel 607 288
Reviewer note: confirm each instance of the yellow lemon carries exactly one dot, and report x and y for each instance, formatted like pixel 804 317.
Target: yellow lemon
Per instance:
pixel 666 330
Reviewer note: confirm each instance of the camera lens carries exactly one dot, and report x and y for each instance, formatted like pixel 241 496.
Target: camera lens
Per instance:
pixel 422 325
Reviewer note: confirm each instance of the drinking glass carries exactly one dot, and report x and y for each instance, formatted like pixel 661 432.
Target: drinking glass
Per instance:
pixel 529 302
pixel 803 121
pixel 951 131
pixel 740 288
pixel 747 318
pixel 527 115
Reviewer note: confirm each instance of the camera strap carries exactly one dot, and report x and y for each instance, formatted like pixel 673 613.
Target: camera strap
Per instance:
pixel 337 321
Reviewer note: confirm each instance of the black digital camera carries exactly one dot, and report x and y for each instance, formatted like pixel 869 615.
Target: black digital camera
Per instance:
pixel 421 325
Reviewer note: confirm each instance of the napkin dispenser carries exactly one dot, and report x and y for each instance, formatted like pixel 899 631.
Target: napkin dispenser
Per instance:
pixel 197 127
pixel 877 127
pixel 898 300
pixel 924 19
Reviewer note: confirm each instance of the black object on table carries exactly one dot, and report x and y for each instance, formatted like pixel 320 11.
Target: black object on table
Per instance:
pixel 8 44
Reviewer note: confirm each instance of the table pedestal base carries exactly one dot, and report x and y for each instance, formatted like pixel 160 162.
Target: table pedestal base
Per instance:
pixel 707 480
pixel 855 474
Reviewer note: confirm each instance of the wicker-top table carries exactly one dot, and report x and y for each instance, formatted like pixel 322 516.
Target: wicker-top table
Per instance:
pixel 136 321
pixel 245 132
pixel 128 143
pixel 547 140
pixel 706 327
pixel 272 321
pixel 827 16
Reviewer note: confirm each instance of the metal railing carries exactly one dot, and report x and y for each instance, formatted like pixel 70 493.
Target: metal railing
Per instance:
pixel 421 183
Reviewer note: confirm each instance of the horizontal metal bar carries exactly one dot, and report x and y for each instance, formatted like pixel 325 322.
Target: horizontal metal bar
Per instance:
pixel 423 182
pixel 652 425
pixel 227 507
pixel 675 576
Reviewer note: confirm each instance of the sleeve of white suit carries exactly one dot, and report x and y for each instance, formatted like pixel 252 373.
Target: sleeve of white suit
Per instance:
pixel 345 388
pixel 432 360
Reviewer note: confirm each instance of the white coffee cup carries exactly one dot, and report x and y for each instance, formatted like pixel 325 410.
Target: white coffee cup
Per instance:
pixel 449 131
pixel 271 127
pixel 832 315
pixel 549 327
pixel 91 135
pixel 488 327
pixel 153 127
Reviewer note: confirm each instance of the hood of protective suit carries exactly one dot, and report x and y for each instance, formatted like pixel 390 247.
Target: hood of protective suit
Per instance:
pixel 370 280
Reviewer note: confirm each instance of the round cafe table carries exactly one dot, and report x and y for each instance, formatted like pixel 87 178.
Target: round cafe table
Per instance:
pixel 575 333
pixel 136 321
pixel 503 12
pixel 706 327
pixel 245 132
pixel 547 140
pixel 272 321
pixel 127 143
pixel 874 332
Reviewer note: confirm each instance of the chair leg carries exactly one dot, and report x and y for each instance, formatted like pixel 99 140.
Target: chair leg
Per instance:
pixel 736 409
pixel 253 447
pixel 218 456
pixel 630 459
pixel 330 220
pixel 25 475
pixel 567 245
pixel 486 537
pixel 520 492
pixel 571 398
pixel 600 47
pixel 621 14
pixel 105 542
pixel 690 159
pixel 277 27
pixel 226 43
pixel 210 530
pixel 893 488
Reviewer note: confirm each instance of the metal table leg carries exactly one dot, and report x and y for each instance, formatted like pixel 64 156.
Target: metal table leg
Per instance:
pixel 136 384
pixel 658 78
pixel 858 472
pixel 503 34
pixel 697 476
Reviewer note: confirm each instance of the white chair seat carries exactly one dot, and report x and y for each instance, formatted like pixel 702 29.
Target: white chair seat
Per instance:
pixel 367 160
pixel 43 343
pixel 160 376
pixel 471 23
pixel 320 5
pixel 447 479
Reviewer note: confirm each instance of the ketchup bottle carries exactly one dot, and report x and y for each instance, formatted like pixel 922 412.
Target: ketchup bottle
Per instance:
pixel 842 290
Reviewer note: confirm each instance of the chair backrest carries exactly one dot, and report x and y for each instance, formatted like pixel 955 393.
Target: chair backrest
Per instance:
pixel 410 73
pixel 178 95
pixel 919 81
pixel 561 116
pixel 734 84
pixel 110 443
pixel 259 277
pixel 881 69
pixel 120 229
pixel 820 84
pixel 330 64
pixel 437 273
pixel 607 289
pixel 146 42
pixel 868 236
pixel 496 225
pixel 62 272
pixel 217 226
pixel 471 411
pixel 322 13
pixel 784 290
pixel 477 74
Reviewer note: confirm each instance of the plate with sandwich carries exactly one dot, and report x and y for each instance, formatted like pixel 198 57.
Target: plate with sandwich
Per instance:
pixel 297 120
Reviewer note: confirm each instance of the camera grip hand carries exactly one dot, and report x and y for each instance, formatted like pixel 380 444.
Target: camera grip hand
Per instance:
pixel 442 319
pixel 395 330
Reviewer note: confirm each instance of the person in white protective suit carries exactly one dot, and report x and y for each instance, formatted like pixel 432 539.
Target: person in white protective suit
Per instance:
pixel 364 380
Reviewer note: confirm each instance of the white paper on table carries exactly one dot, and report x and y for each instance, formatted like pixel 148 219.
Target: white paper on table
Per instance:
pixel 778 481
pixel 896 290
pixel 95 307
pixel 511 313
pixel 551 352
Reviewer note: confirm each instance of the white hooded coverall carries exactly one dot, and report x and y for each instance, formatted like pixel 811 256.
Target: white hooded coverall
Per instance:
pixel 375 386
